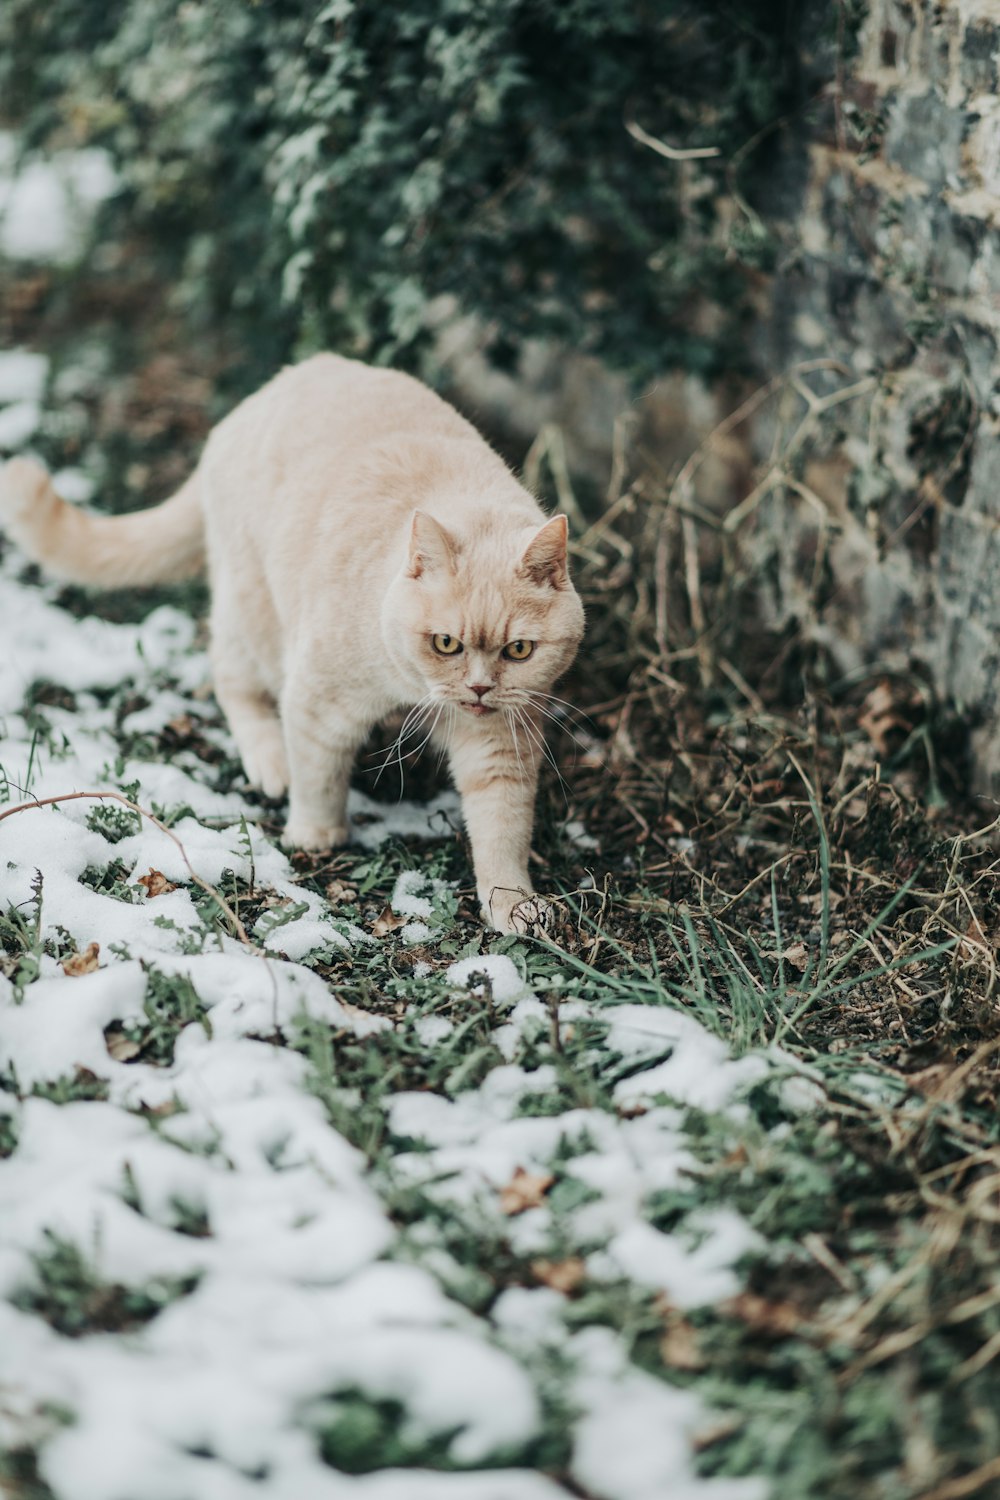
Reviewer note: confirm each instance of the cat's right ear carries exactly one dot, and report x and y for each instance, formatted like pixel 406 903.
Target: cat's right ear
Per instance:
pixel 431 548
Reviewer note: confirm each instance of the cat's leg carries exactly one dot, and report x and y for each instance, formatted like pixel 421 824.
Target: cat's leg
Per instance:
pixel 251 712
pixel 322 743
pixel 495 768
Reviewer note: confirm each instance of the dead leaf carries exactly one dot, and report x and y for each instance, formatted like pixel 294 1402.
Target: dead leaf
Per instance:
pixel 716 1432
pixel 387 922
pixel 974 942
pixel 832 900
pixel 338 892
pixel 156 884
pixel 777 1319
pixel 797 955
pixel 881 715
pixel 679 1345
pixel 120 1047
pixel 183 726
pixel 82 963
pixel 561 1275
pixel 525 1190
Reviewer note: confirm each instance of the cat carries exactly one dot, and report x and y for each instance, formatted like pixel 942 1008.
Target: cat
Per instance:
pixel 367 552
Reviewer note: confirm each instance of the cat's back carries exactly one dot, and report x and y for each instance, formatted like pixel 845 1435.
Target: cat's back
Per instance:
pixel 328 439
pixel 329 403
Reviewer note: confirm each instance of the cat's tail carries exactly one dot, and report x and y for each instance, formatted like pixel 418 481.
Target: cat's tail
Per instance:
pixel 161 545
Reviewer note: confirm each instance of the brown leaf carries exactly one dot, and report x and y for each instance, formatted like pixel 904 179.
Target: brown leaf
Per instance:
pixel 974 942
pixel 679 1345
pixel 338 891
pixel 156 884
pixel 880 716
pixel 561 1275
pixel 120 1047
pixel 777 1319
pixel 525 1190
pixel 715 1432
pixel 832 900
pixel 797 955
pixel 387 922
pixel 82 963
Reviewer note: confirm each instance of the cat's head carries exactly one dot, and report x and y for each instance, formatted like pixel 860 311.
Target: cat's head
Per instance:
pixel 487 618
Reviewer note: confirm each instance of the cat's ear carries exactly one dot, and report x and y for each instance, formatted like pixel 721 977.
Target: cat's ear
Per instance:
pixel 544 560
pixel 431 547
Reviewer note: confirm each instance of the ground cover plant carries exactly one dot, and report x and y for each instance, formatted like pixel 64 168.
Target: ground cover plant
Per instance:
pixel 698 1199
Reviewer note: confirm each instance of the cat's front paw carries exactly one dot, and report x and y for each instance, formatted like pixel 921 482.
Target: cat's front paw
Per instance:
pixel 516 911
pixel 266 767
pixel 301 834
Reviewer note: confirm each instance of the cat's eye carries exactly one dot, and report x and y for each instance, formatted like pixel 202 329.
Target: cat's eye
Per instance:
pixel 518 650
pixel 446 645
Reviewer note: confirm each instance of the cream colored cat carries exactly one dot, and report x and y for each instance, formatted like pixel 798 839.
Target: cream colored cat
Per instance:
pixel 367 552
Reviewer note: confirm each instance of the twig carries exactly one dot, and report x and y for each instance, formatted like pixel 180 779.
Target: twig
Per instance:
pixel 672 153
pixel 143 812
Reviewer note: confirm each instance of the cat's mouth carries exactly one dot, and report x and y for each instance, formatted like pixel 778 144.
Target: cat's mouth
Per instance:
pixel 477 708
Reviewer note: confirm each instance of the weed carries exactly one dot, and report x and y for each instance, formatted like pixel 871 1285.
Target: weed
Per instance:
pixel 113 820
pixel 170 1003
pixel 69 1294
pixel 72 1088
pixel 112 880
pixel 21 946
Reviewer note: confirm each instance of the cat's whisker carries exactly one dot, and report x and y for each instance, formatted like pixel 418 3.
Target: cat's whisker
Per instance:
pixel 410 754
pixel 410 726
pixel 405 729
pixel 538 739
pixel 561 719
pixel 512 718
pixel 564 709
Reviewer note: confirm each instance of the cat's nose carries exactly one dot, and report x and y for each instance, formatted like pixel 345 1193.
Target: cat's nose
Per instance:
pixel 481 688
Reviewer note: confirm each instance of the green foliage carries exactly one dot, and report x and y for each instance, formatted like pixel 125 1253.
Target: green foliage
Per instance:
pixel 72 1088
pixel 68 1293
pixel 358 1435
pixel 113 819
pixel 318 174
pixel 21 944
pixel 170 1004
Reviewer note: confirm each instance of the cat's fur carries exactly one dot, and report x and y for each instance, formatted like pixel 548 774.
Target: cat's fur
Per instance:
pixel 346 516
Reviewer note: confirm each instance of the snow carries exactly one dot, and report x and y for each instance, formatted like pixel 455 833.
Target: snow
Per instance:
pixel 494 970
pixel 699 1070
pixel 406 901
pixel 18 423
pixel 633 1442
pixel 22 375
pixel 47 206
pixel 688 1277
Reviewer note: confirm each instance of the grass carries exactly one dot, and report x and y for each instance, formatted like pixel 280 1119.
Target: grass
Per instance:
pixel 840 914
pixel 70 1294
pixel 775 863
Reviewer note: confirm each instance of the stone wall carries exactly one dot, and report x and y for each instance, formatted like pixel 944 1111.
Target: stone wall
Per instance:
pixel 880 534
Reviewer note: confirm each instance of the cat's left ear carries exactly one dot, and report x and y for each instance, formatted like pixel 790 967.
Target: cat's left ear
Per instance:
pixel 544 560
pixel 431 547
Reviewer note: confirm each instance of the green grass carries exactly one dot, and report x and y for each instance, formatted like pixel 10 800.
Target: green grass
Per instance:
pixel 67 1290
pixel 772 874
